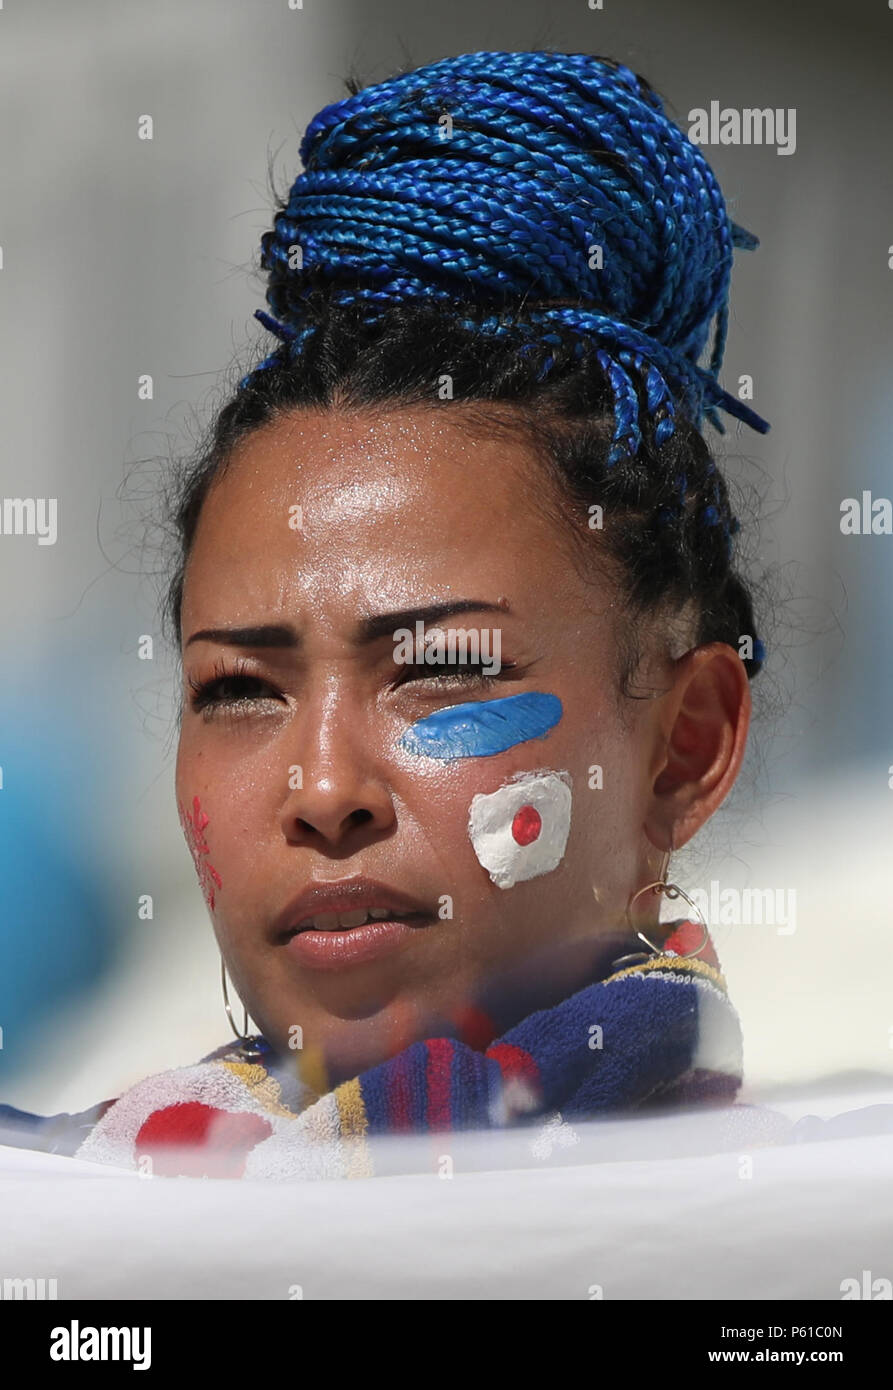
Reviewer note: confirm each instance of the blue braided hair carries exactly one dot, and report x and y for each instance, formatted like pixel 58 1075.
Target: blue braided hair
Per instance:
pixel 445 222
pixel 548 155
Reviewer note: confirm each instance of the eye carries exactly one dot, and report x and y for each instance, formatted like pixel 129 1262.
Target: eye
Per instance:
pixel 462 673
pixel 232 690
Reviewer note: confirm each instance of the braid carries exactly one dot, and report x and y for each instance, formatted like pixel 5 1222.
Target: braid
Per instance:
pixel 474 257
pixel 387 210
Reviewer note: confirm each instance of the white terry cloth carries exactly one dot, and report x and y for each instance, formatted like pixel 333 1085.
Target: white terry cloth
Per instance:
pixel 669 1208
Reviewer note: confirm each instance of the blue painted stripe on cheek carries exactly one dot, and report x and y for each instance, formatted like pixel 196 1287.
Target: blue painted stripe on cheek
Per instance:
pixel 480 728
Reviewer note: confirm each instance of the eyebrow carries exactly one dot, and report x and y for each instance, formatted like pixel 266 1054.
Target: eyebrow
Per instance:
pixel 368 629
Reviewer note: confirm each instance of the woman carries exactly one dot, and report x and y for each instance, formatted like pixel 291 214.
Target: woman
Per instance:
pixel 465 652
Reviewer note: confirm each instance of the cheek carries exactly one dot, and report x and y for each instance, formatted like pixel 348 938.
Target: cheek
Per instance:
pixel 195 822
pixel 212 820
pixel 480 729
pixel 520 830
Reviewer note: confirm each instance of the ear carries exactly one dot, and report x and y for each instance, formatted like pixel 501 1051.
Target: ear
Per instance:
pixel 702 724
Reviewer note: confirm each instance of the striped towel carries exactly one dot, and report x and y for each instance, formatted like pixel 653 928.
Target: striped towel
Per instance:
pixel 660 1031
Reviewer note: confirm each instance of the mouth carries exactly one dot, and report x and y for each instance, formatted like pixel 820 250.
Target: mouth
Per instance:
pixel 350 921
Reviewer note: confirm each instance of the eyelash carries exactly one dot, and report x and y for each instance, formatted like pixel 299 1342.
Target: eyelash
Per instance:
pixel 207 696
pixel 457 673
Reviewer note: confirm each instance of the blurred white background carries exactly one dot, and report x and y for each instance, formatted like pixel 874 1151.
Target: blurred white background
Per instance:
pixel 122 256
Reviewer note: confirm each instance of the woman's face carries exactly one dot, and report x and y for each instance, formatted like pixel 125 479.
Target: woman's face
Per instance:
pixel 303 763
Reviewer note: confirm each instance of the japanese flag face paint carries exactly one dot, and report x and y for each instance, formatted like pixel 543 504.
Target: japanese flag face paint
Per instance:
pixel 520 830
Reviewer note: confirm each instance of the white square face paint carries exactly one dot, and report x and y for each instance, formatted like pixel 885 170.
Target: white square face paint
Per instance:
pixel 520 830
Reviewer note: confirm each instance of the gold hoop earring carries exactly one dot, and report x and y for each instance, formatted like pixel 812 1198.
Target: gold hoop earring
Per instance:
pixel 248 1041
pixel 671 891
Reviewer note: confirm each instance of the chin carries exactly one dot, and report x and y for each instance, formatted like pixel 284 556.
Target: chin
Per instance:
pixel 343 1047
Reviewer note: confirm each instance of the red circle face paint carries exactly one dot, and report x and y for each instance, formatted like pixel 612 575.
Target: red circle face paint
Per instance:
pixel 526 825
pixel 520 830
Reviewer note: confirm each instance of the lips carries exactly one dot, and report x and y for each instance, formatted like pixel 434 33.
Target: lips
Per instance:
pixel 345 905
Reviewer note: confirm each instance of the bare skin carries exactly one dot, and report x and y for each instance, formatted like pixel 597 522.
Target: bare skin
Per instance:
pixel 401 510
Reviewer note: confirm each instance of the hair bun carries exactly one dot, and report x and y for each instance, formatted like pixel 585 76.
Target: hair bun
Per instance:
pixel 489 180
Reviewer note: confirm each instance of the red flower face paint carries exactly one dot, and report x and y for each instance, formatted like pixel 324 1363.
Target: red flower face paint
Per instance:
pixel 194 823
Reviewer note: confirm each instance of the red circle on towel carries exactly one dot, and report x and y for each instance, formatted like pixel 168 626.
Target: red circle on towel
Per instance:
pixel 199 1141
pixel 527 825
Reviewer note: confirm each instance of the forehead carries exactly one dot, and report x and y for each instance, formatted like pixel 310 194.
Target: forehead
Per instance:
pixel 341 511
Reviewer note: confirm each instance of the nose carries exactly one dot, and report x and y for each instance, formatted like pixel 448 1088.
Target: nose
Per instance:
pixel 338 788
